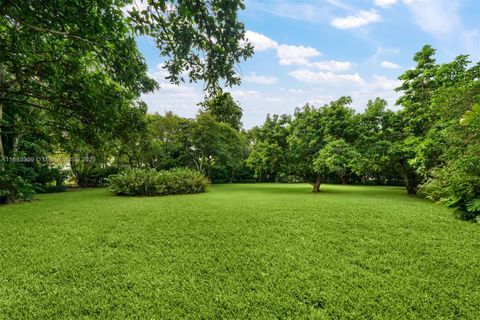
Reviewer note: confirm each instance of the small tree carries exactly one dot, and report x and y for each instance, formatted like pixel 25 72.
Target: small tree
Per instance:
pixel 224 109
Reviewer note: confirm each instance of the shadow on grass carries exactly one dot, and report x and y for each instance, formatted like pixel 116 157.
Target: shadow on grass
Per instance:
pixel 304 188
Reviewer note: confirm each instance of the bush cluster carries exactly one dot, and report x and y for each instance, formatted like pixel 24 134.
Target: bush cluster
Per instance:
pixel 150 182
pixel 457 184
pixel 14 186
pixel 19 182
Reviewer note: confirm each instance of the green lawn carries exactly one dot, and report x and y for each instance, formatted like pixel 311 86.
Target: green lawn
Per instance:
pixel 238 251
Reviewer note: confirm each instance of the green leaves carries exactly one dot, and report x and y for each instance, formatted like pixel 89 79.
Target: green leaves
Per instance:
pixel 338 157
pixel 224 109
pixel 470 115
pixel 203 38
pixel 474 205
pixel 150 182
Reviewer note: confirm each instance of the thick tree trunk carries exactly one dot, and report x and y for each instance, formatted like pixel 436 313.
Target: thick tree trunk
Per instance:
pixel 316 185
pixel 344 179
pixel 411 184
pixel 410 177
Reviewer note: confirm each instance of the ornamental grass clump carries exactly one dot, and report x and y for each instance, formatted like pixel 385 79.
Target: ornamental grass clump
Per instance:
pixel 150 182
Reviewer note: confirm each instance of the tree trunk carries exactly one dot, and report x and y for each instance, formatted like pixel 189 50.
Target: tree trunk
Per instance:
pixel 316 185
pixel 411 184
pixel 209 170
pixel 16 139
pixel 410 177
pixel 73 166
pixel 344 179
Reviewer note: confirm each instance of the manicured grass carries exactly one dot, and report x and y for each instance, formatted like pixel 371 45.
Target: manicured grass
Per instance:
pixel 238 251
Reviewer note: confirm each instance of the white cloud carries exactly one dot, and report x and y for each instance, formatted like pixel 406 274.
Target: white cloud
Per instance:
pixel 442 20
pixel 273 99
pixel 379 86
pixel 293 9
pixel 259 41
pixel 340 4
pixel 287 54
pixel 181 99
pixel 298 55
pixel 362 18
pixel 326 77
pixel 333 65
pixel 298 91
pixel 437 18
pixel 389 65
pixel 244 93
pixel 159 73
pixel 253 77
pixel 320 100
pixel 382 82
pixel 385 3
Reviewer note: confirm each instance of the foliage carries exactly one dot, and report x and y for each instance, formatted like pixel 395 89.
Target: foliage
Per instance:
pixel 224 109
pixel 214 143
pixel 429 90
pixel 443 153
pixel 470 115
pixel 338 157
pixel 203 143
pixel 150 182
pixel 202 38
pixel 290 146
pixel 310 129
pixel 378 129
pixel 50 179
pixel 16 183
pixel 162 145
pixel 269 157
pixel 93 175
pixel 457 183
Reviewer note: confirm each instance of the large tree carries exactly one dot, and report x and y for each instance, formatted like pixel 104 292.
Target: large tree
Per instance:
pixel 309 130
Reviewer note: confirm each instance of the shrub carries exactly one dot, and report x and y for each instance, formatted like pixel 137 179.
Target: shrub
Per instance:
pixel 94 176
pixel 50 179
pixel 150 182
pixel 457 184
pixel 15 183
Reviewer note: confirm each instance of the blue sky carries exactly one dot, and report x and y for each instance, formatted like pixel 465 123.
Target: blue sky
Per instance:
pixel 317 51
